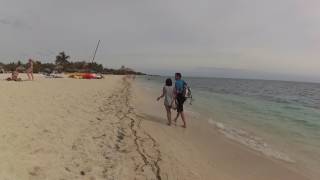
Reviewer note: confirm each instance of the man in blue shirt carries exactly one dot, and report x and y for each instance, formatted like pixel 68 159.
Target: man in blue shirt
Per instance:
pixel 179 92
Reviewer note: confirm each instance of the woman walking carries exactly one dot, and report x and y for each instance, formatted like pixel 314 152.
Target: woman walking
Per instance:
pixel 167 93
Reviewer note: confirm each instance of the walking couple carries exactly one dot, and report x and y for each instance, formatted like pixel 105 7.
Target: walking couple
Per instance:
pixel 174 98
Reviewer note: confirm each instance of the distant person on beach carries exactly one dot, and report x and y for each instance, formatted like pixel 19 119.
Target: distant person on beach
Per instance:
pixel 30 69
pixel 167 93
pixel 179 96
pixel 14 76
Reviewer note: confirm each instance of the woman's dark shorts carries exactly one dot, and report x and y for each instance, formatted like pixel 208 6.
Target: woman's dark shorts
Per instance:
pixel 180 101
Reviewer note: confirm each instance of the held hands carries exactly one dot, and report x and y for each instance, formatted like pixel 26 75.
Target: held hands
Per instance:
pixel 173 105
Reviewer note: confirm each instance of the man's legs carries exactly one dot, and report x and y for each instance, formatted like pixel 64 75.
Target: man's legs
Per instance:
pixel 176 118
pixel 180 101
pixel 183 119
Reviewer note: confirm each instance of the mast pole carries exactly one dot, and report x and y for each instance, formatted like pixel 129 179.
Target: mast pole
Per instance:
pixel 95 52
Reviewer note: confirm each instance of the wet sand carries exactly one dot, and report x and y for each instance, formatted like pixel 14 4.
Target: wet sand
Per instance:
pixel 202 152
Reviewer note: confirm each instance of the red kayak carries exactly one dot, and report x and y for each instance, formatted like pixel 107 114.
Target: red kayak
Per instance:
pixel 89 76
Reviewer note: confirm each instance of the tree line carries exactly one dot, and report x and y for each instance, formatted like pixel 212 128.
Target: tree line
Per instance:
pixel 62 64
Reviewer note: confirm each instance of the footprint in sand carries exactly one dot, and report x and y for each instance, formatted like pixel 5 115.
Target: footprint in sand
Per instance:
pixel 36 173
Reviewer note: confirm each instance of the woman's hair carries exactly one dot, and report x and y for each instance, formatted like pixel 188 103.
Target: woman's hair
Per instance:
pixel 168 82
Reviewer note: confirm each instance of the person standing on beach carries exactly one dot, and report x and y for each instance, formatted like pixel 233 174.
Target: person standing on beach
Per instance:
pixel 30 69
pixel 179 96
pixel 167 93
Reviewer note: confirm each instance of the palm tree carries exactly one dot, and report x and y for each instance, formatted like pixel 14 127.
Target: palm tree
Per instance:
pixel 62 60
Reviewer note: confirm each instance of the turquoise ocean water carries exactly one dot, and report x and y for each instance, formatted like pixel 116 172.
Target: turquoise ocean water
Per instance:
pixel 277 118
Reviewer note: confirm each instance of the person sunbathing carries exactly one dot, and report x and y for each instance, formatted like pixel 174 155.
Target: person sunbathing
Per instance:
pixel 14 76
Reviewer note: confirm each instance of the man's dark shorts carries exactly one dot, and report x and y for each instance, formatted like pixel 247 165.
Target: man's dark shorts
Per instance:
pixel 180 101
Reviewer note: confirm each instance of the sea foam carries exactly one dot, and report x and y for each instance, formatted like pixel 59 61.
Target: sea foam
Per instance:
pixel 251 141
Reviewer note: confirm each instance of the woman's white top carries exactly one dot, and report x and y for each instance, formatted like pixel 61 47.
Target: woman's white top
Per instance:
pixel 168 95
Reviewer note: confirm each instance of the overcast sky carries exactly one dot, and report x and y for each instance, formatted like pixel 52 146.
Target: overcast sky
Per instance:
pixel 159 36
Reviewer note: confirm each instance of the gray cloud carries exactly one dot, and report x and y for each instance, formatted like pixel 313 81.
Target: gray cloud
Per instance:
pixel 15 23
pixel 5 21
pixel 255 35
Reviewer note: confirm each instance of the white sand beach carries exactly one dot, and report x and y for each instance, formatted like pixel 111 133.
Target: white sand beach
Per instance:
pixel 110 129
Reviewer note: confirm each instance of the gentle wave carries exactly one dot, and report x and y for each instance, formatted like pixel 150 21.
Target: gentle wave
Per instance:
pixel 251 141
pixel 285 114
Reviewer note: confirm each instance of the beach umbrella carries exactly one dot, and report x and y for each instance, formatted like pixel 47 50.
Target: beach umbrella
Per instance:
pixel 58 67
pixel 2 69
pixel 21 68
pixel 47 70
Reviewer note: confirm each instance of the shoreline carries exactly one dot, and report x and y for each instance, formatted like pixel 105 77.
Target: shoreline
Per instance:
pixel 221 157
pixel 112 129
